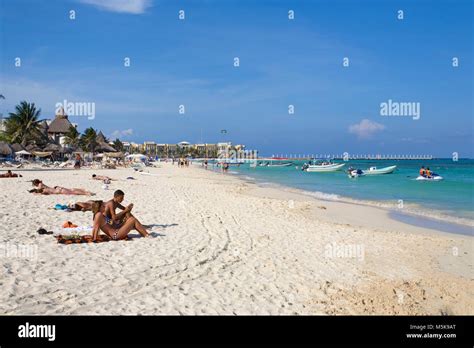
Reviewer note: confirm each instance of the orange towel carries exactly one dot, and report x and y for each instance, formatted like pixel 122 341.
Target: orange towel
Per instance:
pixel 69 224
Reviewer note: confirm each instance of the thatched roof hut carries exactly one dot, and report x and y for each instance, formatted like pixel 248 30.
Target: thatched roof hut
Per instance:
pixel 101 138
pixel 59 126
pixel 5 149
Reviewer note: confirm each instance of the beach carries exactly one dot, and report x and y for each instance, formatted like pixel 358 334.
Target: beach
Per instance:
pixel 224 245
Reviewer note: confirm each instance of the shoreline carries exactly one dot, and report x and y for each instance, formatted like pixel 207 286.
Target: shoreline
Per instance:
pixel 412 210
pixel 411 214
pixel 221 245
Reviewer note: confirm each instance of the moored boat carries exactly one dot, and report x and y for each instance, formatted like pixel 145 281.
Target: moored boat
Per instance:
pixel 322 167
pixel 378 171
pixel 271 164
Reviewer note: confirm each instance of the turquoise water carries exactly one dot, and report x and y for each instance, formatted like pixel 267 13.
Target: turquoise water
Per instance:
pixel 453 196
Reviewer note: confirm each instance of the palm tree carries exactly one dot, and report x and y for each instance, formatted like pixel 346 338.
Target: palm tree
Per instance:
pixel 72 137
pixel 89 140
pixel 118 145
pixel 23 126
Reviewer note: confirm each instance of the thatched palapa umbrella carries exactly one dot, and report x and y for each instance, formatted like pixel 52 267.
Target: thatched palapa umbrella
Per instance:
pixel 5 149
pixel 32 147
pixel 52 148
pixel 104 147
pixel 17 147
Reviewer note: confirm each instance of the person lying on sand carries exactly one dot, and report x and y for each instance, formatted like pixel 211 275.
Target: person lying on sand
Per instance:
pixel 81 206
pixel 9 174
pixel 43 189
pixel 111 207
pixel 102 178
pixel 57 190
pixel 114 232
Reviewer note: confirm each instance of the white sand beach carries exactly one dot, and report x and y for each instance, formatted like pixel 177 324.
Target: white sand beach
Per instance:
pixel 222 245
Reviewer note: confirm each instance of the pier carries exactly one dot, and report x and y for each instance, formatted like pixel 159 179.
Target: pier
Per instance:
pixel 347 157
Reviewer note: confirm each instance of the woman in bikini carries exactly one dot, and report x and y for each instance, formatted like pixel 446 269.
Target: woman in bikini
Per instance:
pixel 57 190
pixel 115 232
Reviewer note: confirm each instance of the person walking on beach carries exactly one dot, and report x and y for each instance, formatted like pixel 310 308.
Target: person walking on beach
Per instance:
pixel 77 162
pixel 114 232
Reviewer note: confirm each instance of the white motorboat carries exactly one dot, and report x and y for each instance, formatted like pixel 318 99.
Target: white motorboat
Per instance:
pixel 378 171
pixel 288 164
pixel 323 167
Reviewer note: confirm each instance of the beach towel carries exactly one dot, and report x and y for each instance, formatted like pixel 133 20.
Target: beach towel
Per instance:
pixel 75 239
pixel 62 207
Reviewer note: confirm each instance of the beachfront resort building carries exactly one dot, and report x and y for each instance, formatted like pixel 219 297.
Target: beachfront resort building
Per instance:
pixel 182 148
pixel 3 127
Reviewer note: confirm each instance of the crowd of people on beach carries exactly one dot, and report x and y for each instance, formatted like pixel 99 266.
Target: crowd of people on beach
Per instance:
pixel 182 162
pixel 116 225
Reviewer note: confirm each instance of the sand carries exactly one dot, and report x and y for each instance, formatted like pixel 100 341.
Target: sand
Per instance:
pixel 222 245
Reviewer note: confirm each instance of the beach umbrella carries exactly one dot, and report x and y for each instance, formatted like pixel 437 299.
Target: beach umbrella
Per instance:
pixel 22 152
pixel 42 153
pixel 32 147
pixel 5 149
pixel 104 147
pixel 52 148
pixel 17 147
pixel 114 154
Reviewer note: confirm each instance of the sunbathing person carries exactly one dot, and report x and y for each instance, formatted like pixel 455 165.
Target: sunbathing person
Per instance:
pixel 81 206
pixel 41 188
pixel 114 232
pixel 111 207
pixel 9 174
pixel 102 178
pixel 57 190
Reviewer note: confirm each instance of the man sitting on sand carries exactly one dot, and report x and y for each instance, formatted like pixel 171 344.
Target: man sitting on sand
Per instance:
pixel 43 189
pixel 9 174
pixel 112 205
pixel 114 232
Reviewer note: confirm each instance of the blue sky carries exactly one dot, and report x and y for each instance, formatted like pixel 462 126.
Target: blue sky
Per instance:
pixel 282 62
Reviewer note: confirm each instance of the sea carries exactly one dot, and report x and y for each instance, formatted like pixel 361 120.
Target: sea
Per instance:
pixel 451 199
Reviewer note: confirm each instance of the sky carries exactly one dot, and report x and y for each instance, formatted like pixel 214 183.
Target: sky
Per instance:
pixel 282 62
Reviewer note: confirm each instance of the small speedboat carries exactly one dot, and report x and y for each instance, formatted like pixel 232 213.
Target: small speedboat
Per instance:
pixel 286 164
pixel 322 167
pixel 378 171
pixel 270 164
pixel 433 177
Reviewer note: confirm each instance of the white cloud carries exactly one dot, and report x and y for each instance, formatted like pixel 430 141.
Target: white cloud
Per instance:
pixel 365 128
pixel 122 6
pixel 121 133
